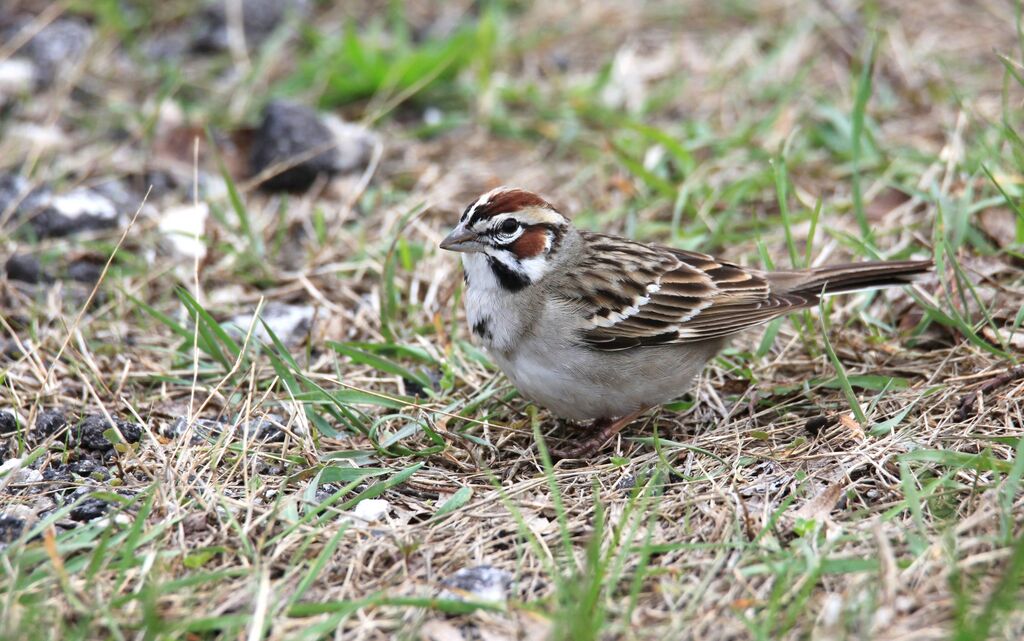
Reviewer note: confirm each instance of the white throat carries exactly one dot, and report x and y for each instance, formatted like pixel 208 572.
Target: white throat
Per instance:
pixel 495 314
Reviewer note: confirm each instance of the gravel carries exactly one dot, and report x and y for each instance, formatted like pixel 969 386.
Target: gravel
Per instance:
pixel 90 432
pixel 49 422
pixel 8 423
pixel 26 269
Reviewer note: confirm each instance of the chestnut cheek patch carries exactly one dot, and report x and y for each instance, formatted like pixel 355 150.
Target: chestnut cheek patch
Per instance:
pixel 532 243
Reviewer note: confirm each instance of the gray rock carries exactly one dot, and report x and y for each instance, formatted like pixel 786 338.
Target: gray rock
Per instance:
pixel 85 271
pixel 89 468
pixel 49 422
pixel 308 143
pixel 26 268
pixel 259 19
pixel 10 529
pixel 90 432
pixel 8 423
pixel 13 472
pixel 17 77
pixel 290 323
pixel 269 429
pixel 88 510
pixel 14 188
pixel 202 428
pixel 53 49
pixel 483 583
pixel 53 215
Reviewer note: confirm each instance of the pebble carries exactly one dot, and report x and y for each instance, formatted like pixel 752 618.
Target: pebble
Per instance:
pixel 58 474
pixel 85 271
pixel 184 228
pixel 49 422
pixel 89 468
pixel 290 131
pixel 21 135
pixel 201 428
pixel 17 76
pixel 290 323
pixel 53 215
pixel 8 423
pixel 90 432
pixel 269 429
pixel 11 528
pixel 371 510
pixel 57 47
pixel 482 582
pixel 88 510
pixel 15 473
pixel 259 19
pixel 25 268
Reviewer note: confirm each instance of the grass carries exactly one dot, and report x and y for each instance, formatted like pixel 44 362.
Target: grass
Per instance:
pixel 816 483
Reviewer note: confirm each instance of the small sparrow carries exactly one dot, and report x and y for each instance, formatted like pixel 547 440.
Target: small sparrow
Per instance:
pixel 599 327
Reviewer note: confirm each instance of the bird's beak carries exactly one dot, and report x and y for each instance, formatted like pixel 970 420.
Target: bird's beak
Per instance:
pixel 461 240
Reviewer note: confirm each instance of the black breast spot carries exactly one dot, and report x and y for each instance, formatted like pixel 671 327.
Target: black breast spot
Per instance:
pixel 482 328
pixel 513 281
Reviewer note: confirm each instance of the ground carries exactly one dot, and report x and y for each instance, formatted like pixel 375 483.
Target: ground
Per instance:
pixel 356 468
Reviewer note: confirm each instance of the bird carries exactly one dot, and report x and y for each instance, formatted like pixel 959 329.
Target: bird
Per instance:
pixel 600 328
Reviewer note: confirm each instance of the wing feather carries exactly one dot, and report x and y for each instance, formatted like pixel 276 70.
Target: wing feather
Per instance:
pixel 631 295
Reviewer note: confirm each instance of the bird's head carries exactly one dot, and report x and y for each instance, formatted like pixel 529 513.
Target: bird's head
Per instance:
pixel 515 231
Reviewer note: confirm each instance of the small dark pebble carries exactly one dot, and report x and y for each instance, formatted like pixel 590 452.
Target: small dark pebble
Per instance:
pixel 90 432
pixel 58 474
pixel 627 482
pixel 51 49
pixel 26 269
pixel 259 19
pixel 88 510
pixel 325 492
pixel 49 422
pixel 290 131
pixel 89 468
pixel 11 528
pixel 9 349
pixel 483 582
pixel 8 423
pixel 413 388
pixel 263 429
pixel 85 271
pixel 816 424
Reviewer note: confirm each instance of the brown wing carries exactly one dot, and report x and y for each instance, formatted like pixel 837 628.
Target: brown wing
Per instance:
pixel 633 295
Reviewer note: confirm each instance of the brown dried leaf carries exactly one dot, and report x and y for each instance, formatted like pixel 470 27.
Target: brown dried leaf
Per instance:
pixel 999 225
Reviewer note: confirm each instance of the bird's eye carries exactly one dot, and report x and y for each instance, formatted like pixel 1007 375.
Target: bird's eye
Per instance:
pixel 509 226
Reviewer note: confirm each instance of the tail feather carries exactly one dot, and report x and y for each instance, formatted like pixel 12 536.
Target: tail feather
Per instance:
pixel 850 277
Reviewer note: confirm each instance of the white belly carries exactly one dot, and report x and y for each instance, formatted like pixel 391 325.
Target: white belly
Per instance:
pixel 579 383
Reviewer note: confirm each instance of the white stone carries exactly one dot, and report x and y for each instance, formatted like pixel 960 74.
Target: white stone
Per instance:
pixel 17 76
pixel 370 510
pixel 288 322
pixel 44 138
pixel 18 511
pixel 12 472
pixel 354 143
pixel 482 583
pixel 81 202
pixel 184 226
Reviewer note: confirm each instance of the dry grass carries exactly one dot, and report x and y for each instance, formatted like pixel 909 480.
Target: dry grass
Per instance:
pixel 765 509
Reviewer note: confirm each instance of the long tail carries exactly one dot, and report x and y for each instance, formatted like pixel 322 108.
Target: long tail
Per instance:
pixel 850 277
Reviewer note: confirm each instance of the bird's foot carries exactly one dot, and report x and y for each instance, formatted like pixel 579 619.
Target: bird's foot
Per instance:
pixel 607 428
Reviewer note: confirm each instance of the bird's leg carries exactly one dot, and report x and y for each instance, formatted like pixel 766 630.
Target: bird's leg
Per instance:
pixel 607 428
